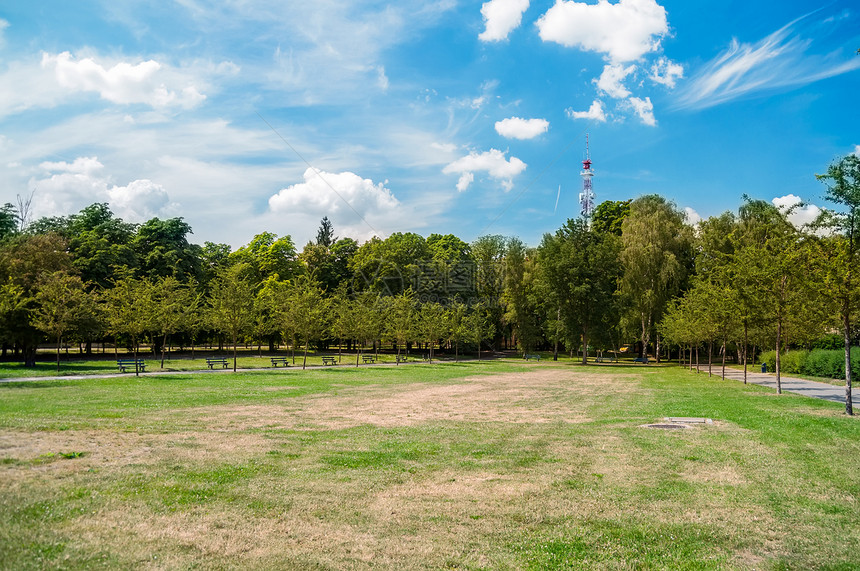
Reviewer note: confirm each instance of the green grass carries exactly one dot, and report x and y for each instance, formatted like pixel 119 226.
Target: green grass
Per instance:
pixel 495 465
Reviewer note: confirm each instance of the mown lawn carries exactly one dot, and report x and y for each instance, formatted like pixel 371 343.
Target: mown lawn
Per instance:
pixel 494 465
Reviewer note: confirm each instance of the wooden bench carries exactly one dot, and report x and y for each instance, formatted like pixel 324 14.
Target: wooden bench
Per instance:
pixel 329 361
pixel 401 358
pixel 368 358
pixel 641 360
pixel 136 364
pixel 530 357
pixel 607 359
pixel 213 362
pixel 280 361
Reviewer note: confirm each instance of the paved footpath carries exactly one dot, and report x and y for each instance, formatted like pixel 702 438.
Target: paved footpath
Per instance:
pixel 789 384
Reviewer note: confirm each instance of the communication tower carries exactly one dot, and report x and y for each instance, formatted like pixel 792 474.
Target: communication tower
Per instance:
pixel 586 197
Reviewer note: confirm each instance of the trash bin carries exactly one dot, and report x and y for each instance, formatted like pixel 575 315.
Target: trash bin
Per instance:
pixel 764 367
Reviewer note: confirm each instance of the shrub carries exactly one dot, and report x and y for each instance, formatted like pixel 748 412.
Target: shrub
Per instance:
pixel 831 341
pixel 831 363
pixel 791 362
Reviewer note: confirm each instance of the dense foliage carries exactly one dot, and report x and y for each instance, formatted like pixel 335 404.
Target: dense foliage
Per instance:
pixel 636 276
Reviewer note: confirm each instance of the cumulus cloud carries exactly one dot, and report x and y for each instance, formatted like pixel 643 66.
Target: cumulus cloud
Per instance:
pixel 517 128
pixel 622 32
pixel 501 18
pixel 857 150
pixel 611 81
pixel 345 195
pixel 71 186
pixel 123 83
pixel 595 112
pixel 665 72
pixel 778 61
pixel 691 217
pixel 645 109
pixel 799 214
pixel 492 162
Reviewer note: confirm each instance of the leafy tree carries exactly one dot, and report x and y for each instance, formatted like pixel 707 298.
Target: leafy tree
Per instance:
pixel 489 255
pixel 307 311
pixel 174 304
pixel 520 312
pixel 8 221
pixel 232 304
pixel 25 260
pixel 655 254
pixel 580 270
pixel 401 317
pixel 389 266
pixel 432 324
pixel 62 303
pixel 609 216
pixel 162 248
pixel 843 189
pixel 100 242
pixel 266 256
pixel 128 308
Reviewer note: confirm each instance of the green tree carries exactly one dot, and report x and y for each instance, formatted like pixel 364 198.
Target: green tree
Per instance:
pixel 62 303
pixel 843 189
pixel 609 216
pixel 307 312
pixel 162 249
pixel 232 304
pixel 656 252
pixel 432 324
pixel 173 308
pixel 128 308
pixel 580 270
pixel 401 316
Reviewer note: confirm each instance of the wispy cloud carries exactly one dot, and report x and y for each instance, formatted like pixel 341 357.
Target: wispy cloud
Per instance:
pixel 782 60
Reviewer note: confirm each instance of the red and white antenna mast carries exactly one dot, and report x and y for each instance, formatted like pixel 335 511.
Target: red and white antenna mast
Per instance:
pixel 586 197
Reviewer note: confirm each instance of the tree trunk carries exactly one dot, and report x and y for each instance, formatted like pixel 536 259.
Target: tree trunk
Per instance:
pixel 59 341
pixel 724 360
pixel 778 339
pixel 746 343
pixel 657 349
pixel 234 353
pixel 163 345
pixel 710 356
pixel 584 345
pixel 305 359
pixel 846 324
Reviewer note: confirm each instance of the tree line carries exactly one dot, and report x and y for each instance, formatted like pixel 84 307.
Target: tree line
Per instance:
pixel 634 275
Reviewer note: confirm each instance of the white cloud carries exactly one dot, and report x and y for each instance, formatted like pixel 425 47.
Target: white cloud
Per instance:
pixel 857 150
pixel 645 109
pixel 799 214
pixel 595 112
pixel 444 147
pixel 123 83
pixel 665 72
pixel 3 25
pixel 381 78
pixel 344 195
pixel 518 128
pixel 623 32
pixel 72 186
pixel 691 217
pixel 777 61
pixel 140 200
pixel 611 81
pixel 501 18
pixel 492 162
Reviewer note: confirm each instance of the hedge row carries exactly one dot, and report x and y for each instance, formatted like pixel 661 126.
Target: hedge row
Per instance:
pixel 825 363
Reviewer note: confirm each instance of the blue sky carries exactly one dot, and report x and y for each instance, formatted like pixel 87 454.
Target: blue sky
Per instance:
pixel 438 116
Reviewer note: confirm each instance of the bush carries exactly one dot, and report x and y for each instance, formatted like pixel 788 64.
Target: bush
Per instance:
pixel 831 341
pixel 831 364
pixel 791 362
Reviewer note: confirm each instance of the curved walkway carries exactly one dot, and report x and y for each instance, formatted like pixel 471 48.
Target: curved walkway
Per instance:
pixel 813 389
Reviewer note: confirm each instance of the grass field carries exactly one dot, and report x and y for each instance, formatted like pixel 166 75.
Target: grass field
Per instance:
pixel 494 465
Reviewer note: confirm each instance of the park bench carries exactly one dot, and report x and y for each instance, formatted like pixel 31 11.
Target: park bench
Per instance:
pixel 368 358
pixel 280 361
pixel 136 364
pixel 641 360
pixel 606 359
pixel 401 358
pixel 216 361
pixel 329 361
pixel 530 357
